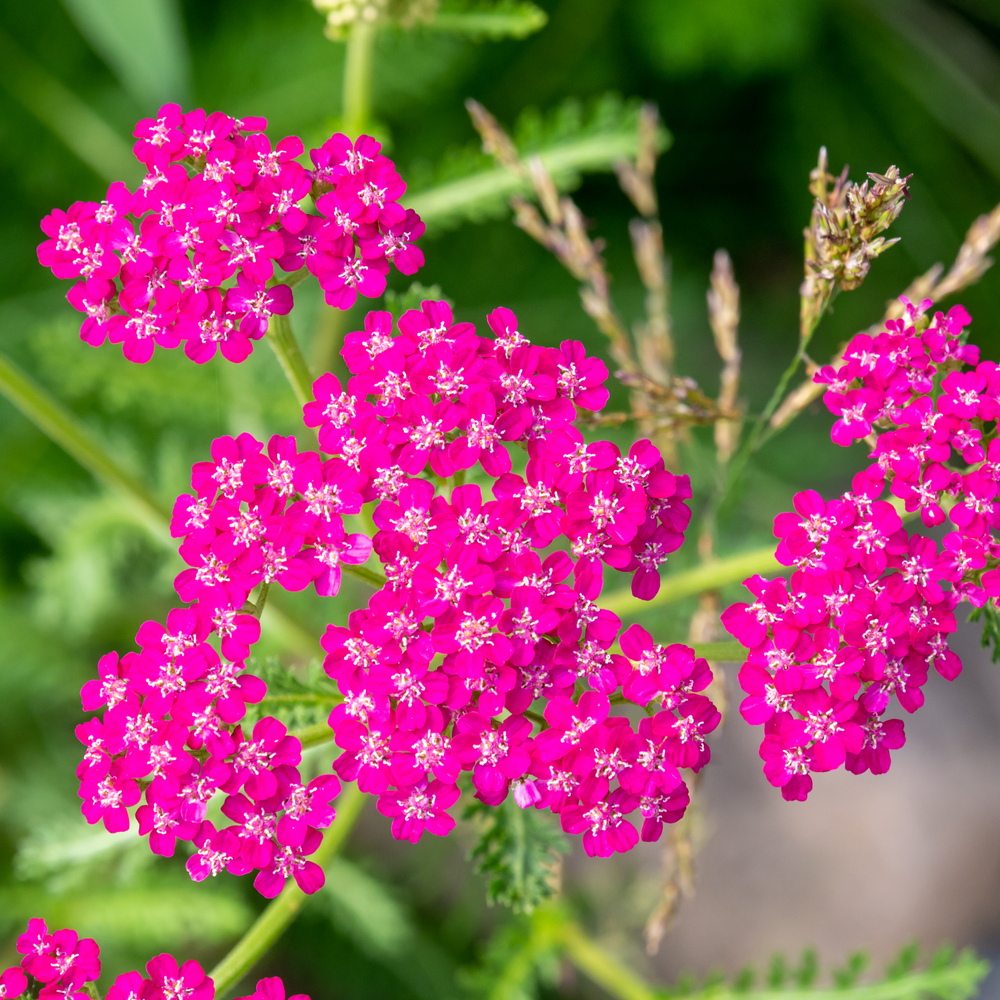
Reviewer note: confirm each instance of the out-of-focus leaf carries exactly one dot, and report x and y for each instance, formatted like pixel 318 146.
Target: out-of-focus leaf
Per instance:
pixel 744 37
pixel 988 615
pixel 398 303
pixel 60 847
pixel 144 916
pixel 948 67
pixel 366 913
pixel 143 42
pixel 84 132
pixel 507 19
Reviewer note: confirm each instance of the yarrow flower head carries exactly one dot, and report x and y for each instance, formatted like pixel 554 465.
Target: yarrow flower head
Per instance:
pixel 869 607
pixel 61 965
pixel 490 603
pixel 189 257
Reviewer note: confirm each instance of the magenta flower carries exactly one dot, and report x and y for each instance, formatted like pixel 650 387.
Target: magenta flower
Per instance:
pixel 420 807
pixel 173 982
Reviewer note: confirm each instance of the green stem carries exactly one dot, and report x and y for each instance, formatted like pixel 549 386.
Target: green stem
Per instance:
pixel 261 600
pixel 358 78
pixel 311 736
pixel 707 576
pixel 282 910
pixel 286 347
pixel 63 427
pixel 68 431
pixel 603 968
pixel 377 580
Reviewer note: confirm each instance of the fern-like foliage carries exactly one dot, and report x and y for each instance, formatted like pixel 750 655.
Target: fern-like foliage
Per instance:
pixel 301 699
pixel 398 303
pixel 947 976
pixel 518 851
pixel 571 140
pixel 990 618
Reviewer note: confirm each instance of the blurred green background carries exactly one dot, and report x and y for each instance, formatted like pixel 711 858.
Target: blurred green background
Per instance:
pixel 749 90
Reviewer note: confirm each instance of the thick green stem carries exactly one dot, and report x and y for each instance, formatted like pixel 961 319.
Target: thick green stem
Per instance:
pixel 358 78
pixel 286 347
pixel 707 576
pixel 68 431
pixel 282 910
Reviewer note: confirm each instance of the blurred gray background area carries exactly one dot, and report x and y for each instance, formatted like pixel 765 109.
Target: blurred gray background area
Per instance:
pixel 867 862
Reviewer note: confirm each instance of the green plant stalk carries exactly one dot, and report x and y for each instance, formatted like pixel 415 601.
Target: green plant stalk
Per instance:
pixel 603 968
pixel 357 92
pixel 286 348
pixel 597 152
pixel 63 427
pixel 283 909
pixel 69 432
pixel 721 652
pixel 312 736
pixel 707 576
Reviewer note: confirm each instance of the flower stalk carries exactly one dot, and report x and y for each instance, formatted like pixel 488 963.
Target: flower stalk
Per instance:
pixel 276 917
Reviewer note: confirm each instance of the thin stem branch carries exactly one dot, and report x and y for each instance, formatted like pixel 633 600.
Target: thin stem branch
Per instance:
pixel 283 909
pixel 69 432
pixel 286 347
pixel 707 576
pixel 369 576
pixel 357 96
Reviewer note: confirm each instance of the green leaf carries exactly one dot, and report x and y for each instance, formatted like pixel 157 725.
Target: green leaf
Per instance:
pixel 143 43
pixel 74 122
pixel 367 913
pixel 493 21
pixel 570 141
pixel 904 962
pixel 845 977
pixel 991 627
pixel 142 916
pixel 517 851
pixel 398 303
pixel 805 974
pixel 301 699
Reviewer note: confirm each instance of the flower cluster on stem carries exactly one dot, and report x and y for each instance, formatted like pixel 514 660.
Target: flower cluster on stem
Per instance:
pixel 868 610
pixel 488 607
pixel 60 966
pixel 189 257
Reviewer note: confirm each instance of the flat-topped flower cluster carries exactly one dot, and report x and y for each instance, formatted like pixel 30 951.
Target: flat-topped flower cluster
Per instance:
pixel 868 610
pixel 189 257
pixel 488 607
pixel 61 965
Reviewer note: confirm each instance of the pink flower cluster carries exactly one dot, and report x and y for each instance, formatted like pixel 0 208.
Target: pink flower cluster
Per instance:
pixel 59 965
pixel 477 616
pixel 868 610
pixel 189 257
pixel 475 620
pixel 171 727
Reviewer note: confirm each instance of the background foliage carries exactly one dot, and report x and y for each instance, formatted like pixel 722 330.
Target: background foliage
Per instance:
pixel 749 89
